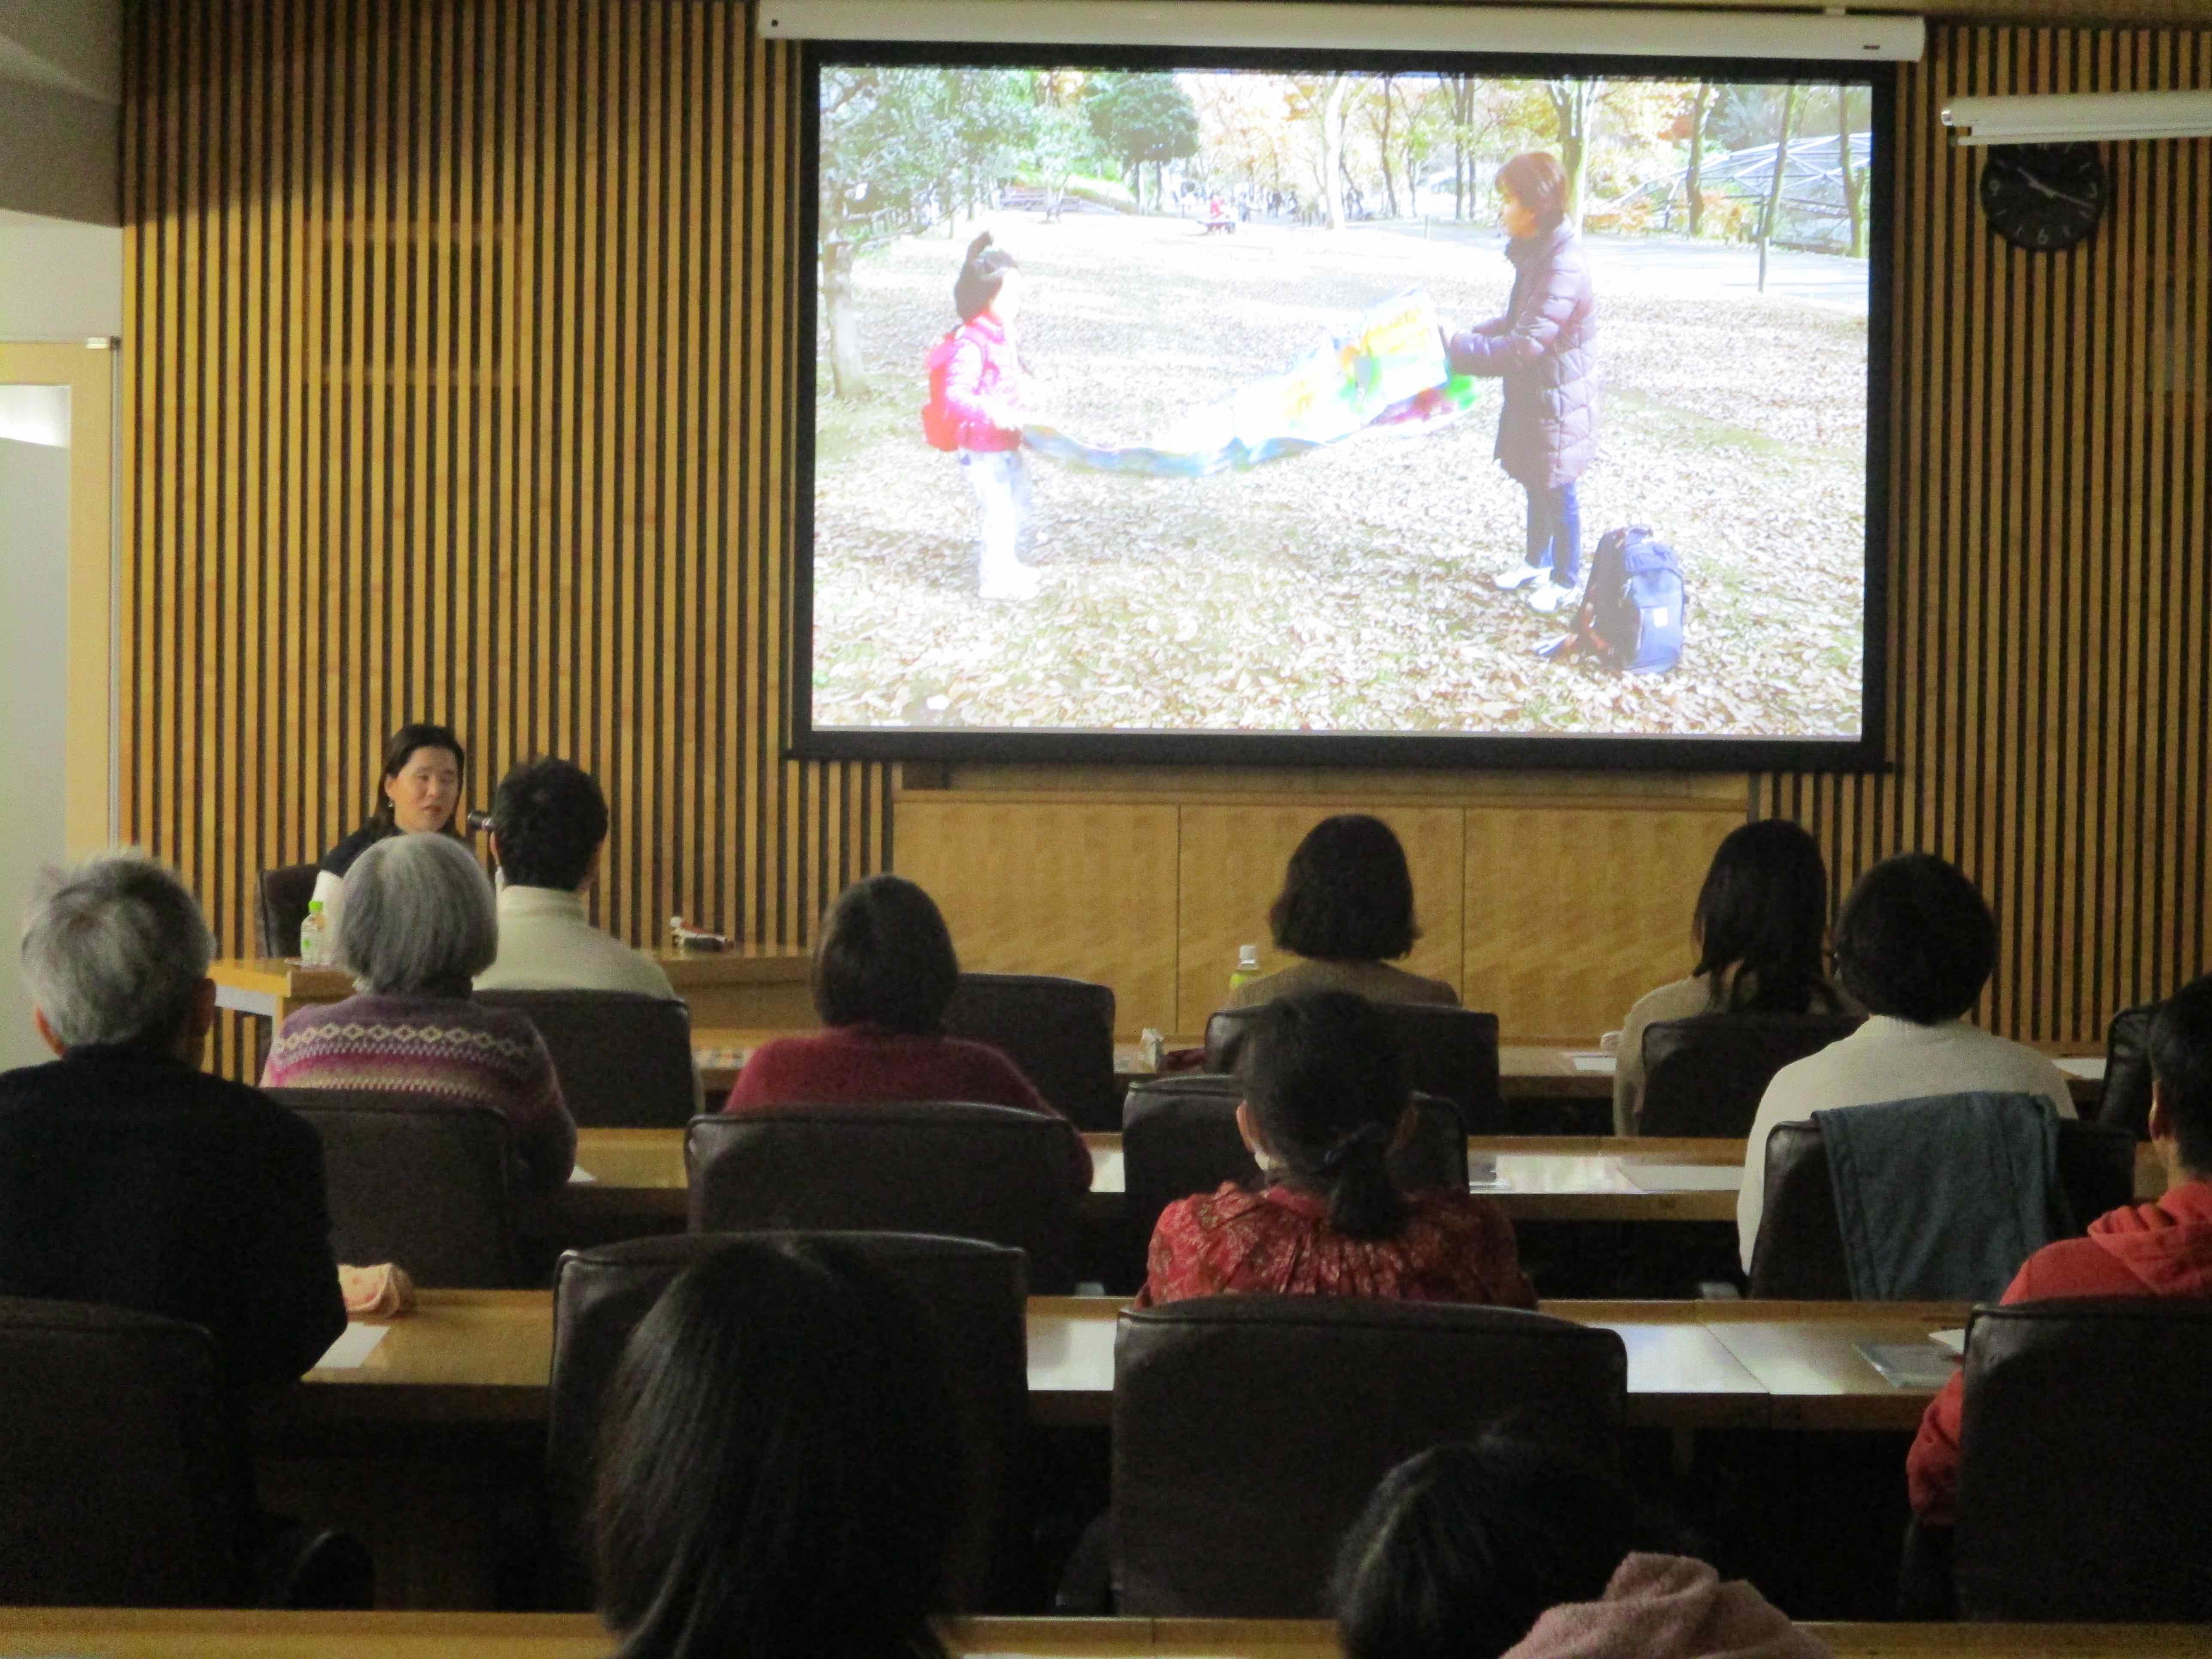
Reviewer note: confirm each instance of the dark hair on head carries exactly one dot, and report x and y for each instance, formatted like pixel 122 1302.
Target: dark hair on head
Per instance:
pixel 1761 918
pixel 1539 183
pixel 1347 895
pixel 549 817
pixel 885 959
pixel 416 734
pixel 1463 1548
pixel 1325 1080
pixel 780 1470
pixel 1916 940
pixel 983 273
pixel 2181 1062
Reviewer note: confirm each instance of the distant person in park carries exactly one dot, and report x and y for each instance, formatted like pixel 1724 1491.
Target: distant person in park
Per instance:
pixel 1346 908
pixel 1541 348
pixel 981 397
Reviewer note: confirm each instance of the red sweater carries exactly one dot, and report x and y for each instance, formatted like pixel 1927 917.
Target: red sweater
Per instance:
pixel 850 1063
pixel 2150 1249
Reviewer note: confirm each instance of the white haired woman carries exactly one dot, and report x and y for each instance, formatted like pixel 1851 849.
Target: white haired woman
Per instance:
pixel 417 927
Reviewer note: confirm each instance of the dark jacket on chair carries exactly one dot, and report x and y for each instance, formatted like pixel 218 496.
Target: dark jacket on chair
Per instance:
pixel 133 1180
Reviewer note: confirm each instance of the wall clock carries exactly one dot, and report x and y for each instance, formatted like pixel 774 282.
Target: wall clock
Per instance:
pixel 2043 197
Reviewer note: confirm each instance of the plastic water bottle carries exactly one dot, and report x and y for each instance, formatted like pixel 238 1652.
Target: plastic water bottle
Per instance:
pixel 314 936
pixel 1248 967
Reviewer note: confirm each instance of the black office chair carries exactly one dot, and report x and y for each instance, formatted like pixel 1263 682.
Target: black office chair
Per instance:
pixel 282 905
pixel 1060 1032
pixel 1451 1053
pixel 2083 1441
pixel 624 1059
pixel 1704 1075
pixel 977 1294
pixel 2125 1102
pixel 1179 1136
pixel 1250 1430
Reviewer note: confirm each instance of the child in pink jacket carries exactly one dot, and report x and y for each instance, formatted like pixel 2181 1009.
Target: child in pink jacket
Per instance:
pixel 982 394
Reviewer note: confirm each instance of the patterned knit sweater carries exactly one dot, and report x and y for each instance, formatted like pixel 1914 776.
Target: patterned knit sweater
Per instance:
pixel 449 1047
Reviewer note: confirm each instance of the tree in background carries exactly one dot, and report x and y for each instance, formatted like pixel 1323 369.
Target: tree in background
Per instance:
pixel 1700 102
pixel 1140 119
pixel 1574 101
pixel 1854 205
pixel 1766 220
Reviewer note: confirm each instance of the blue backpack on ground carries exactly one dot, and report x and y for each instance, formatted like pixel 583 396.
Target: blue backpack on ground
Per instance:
pixel 1630 615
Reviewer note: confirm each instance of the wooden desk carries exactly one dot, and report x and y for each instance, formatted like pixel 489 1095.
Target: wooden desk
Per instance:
pixel 172 1633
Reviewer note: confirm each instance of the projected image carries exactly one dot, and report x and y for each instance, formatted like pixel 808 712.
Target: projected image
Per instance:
pixel 1232 401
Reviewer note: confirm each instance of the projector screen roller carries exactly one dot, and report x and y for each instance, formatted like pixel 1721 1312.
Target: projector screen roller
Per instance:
pixel 1519 413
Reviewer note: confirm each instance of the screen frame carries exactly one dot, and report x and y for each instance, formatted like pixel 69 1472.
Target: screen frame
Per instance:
pixel 1868 752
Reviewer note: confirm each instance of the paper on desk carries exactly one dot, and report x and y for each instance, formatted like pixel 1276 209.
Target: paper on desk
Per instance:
pixel 350 1351
pixel 578 1175
pixel 1684 1178
pixel 1950 1341
pixel 1603 1063
pixel 2091 1066
pixel 1909 1364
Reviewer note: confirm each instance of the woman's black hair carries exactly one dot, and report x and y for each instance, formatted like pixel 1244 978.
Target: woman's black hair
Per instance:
pixel 1916 940
pixel 416 734
pixel 982 276
pixel 1463 1548
pixel 1325 1080
pixel 1348 894
pixel 1761 918
pixel 885 959
pixel 778 1475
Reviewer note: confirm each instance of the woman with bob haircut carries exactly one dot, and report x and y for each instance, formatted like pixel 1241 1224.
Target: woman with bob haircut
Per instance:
pixel 418 792
pixel 1759 926
pixel 883 975
pixel 1510 1547
pixel 1325 1103
pixel 417 927
pixel 780 1472
pixel 1346 908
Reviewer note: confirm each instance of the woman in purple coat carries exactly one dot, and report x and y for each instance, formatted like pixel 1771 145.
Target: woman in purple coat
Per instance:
pixel 1541 348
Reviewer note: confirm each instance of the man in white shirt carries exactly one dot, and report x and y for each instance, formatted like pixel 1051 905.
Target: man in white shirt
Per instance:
pixel 548 825
pixel 1915 945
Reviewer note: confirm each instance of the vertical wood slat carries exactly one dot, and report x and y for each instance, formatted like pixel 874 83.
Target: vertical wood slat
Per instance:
pixel 2050 553
pixel 452 391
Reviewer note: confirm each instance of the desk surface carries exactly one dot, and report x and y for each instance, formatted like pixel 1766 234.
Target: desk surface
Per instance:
pixel 165 1633
pixel 485 1356
pixel 748 964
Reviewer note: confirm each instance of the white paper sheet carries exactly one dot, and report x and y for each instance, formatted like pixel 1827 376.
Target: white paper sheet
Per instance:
pixel 349 1352
pixel 2088 1065
pixel 580 1176
pixel 1684 1178
pixel 1593 1063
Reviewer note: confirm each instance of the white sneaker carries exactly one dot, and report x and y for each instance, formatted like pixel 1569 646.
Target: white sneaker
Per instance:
pixel 1520 573
pixel 1548 596
pixel 1014 584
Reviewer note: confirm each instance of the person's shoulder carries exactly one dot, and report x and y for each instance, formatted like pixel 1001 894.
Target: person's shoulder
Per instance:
pixel 340 859
pixel 2072 1266
pixel 1682 998
pixel 1207 1213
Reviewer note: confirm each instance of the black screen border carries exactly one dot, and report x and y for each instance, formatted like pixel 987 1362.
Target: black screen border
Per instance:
pixel 1471 752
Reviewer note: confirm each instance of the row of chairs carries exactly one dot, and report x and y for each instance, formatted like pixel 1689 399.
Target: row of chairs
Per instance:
pixel 1248 1431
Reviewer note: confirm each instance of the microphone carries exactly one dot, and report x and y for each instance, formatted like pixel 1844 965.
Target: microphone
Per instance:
pixel 478 821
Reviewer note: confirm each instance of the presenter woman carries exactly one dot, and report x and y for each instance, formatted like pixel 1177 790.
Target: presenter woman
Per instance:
pixel 982 395
pixel 1542 349
pixel 421 788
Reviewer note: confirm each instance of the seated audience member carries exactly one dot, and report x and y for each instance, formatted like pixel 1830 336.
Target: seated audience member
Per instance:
pixel 2149 1249
pixel 418 927
pixel 1508 1546
pixel 1346 908
pixel 548 825
pixel 1914 947
pixel 780 1472
pixel 1325 1101
pixel 420 789
pixel 884 975
pixel 1761 919
pixel 129 1177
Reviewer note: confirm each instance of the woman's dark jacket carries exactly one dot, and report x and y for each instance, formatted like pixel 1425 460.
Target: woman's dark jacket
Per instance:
pixel 1541 348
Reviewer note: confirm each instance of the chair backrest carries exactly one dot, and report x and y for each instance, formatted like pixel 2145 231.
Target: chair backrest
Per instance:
pixel 114 1475
pixel 1179 1137
pixel 1248 1431
pixel 420 1182
pixel 282 906
pixel 2125 1102
pixel 1060 1032
pixel 2083 1443
pixel 624 1059
pixel 1799 1253
pixel 1704 1076
pixel 958 1168
pixel 1450 1051
pixel 977 1294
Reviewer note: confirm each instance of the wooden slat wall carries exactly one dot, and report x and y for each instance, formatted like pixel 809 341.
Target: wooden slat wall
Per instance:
pixel 2052 550
pixel 459 388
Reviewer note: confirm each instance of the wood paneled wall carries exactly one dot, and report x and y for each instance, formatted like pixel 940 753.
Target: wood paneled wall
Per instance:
pixel 458 385
pixel 458 388
pixel 2053 548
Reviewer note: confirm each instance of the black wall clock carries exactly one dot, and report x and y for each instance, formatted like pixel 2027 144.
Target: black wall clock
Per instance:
pixel 2043 197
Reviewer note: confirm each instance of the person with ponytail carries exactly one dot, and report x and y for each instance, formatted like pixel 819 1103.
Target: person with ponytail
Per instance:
pixel 1325 1103
pixel 979 395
